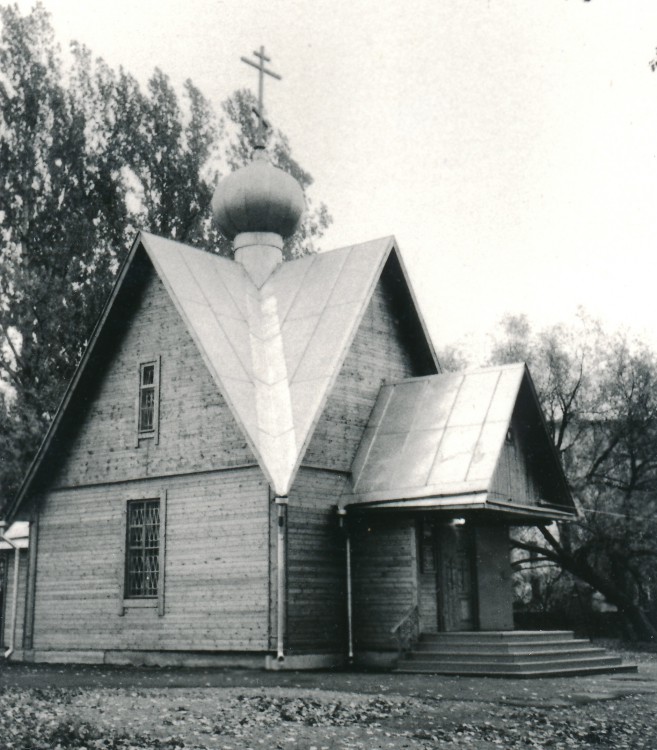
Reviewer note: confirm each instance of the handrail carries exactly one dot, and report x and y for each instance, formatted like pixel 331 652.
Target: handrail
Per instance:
pixel 407 630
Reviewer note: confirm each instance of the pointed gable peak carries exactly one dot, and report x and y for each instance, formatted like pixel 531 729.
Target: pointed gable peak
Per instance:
pixel 274 351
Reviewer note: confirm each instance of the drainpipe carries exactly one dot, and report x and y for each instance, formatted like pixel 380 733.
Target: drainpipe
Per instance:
pixel 281 570
pixel 342 515
pixel 14 593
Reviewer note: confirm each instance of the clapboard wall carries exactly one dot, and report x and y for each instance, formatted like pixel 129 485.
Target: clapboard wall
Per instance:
pixel 384 578
pixel 380 352
pixel 316 563
pixel 515 477
pixel 216 567
pixel 216 576
pixel 197 430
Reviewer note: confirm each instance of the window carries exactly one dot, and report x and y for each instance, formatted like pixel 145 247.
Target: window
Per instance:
pixel 148 401
pixel 147 398
pixel 141 582
pixel 142 567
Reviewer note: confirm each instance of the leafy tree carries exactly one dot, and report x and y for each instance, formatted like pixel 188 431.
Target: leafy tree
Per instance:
pixel 599 394
pixel 86 157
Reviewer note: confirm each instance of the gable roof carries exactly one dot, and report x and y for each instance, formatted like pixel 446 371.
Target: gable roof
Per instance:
pixel 274 352
pixel 439 439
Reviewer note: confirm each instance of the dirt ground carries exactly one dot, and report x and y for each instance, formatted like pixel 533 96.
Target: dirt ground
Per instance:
pixel 92 707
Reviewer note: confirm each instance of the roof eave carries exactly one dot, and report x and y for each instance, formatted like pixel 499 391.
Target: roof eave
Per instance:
pixel 467 503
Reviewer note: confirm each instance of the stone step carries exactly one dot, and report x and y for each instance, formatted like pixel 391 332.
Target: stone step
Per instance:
pixel 505 657
pixel 496 664
pixel 503 647
pixel 499 636
pixel 509 653
pixel 534 671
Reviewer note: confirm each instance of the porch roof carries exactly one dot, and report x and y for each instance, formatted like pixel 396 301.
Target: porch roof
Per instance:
pixel 436 442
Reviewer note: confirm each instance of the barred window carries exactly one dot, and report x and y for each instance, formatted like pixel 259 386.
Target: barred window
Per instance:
pixel 142 570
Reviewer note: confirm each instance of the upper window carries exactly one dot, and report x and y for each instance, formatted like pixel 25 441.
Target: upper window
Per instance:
pixel 148 401
pixel 142 569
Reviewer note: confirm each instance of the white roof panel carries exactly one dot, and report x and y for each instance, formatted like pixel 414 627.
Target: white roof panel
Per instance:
pixel 454 454
pixel 312 298
pixel 287 282
pixel 437 402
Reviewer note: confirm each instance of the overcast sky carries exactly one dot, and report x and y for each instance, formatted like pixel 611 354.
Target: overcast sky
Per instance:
pixel 510 145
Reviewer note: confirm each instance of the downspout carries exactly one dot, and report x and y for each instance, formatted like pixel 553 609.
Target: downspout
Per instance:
pixel 342 515
pixel 281 576
pixel 14 593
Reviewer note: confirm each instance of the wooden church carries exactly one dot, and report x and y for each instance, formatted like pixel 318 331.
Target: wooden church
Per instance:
pixel 260 463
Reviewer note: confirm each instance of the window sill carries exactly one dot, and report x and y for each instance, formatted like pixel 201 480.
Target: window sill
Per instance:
pixel 150 603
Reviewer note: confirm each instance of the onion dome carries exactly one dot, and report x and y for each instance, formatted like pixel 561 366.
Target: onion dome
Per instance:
pixel 258 198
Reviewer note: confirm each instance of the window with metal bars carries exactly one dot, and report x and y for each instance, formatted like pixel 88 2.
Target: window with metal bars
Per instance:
pixel 142 570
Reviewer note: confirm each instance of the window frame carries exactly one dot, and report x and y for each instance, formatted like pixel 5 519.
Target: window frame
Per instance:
pixel 152 433
pixel 143 602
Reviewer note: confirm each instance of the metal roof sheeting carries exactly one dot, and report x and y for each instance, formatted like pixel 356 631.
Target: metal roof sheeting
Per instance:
pixel 274 352
pixel 439 435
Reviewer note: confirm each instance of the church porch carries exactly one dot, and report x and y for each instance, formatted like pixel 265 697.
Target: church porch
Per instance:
pixel 432 592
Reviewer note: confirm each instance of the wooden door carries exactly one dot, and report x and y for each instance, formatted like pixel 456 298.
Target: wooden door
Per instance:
pixel 456 584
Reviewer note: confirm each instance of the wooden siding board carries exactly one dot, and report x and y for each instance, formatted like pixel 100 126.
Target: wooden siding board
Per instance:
pixel 216 567
pixel 197 430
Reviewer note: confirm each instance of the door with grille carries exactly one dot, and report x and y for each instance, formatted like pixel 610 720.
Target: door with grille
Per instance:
pixel 456 586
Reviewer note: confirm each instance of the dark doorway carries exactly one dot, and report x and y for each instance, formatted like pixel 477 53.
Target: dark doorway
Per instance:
pixel 456 586
pixel 446 577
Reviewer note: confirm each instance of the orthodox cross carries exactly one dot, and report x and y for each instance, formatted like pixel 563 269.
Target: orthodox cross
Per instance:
pixel 260 67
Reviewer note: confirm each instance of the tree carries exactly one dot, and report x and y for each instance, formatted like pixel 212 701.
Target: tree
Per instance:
pixel 599 395
pixel 86 157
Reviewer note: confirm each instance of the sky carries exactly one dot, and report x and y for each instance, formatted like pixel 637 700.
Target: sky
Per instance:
pixel 509 145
